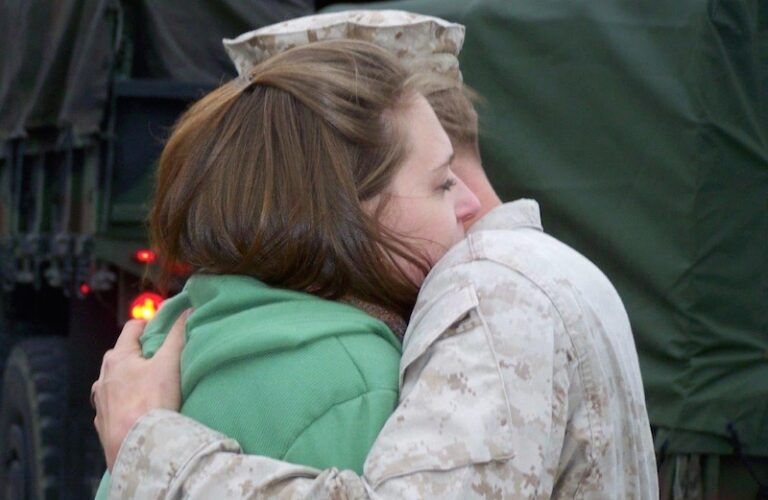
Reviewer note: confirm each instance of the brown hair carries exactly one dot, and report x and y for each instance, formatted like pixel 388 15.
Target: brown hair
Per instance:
pixel 454 105
pixel 265 176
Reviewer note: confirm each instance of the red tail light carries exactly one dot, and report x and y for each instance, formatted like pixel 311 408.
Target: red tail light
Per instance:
pixel 145 305
pixel 144 256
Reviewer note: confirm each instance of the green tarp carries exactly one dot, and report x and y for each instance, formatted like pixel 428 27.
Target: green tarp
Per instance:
pixel 56 57
pixel 180 40
pixel 54 65
pixel 642 129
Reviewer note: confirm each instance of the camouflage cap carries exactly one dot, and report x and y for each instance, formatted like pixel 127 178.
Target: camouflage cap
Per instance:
pixel 422 43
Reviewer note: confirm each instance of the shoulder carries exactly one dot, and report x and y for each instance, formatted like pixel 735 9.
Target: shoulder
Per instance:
pixel 493 297
pixel 502 260
pixel 479 359
pixel 294 341
pixel 519 314
pixel 354 390
pixel 249 319
pixel 350 355
pixel 483 300
pixel 468 279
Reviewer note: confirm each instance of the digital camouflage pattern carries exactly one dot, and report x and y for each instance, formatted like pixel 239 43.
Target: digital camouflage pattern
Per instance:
pixel 519 379
pixel 422 43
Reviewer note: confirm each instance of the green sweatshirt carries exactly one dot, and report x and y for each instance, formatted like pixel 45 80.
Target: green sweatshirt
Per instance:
pixel 286 374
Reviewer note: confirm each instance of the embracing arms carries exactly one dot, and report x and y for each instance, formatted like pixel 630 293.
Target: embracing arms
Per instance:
pixel 468 421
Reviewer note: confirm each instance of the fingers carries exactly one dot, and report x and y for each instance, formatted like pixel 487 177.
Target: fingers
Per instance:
pixel 174 341
pixel 129 337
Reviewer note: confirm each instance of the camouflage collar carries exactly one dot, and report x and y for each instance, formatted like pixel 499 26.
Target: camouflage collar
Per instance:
pixel 512 215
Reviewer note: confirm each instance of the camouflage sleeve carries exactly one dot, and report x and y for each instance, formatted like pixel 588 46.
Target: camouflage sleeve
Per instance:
pixel 168 455
pixel 482 406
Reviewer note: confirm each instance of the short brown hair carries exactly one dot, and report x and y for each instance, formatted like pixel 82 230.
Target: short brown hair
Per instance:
pixel 454 105
pixel 265 176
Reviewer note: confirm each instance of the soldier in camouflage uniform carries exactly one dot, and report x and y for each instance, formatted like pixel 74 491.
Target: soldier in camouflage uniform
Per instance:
pixel 519 379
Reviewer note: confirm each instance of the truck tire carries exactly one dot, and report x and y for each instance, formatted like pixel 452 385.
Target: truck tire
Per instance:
pixel 33 419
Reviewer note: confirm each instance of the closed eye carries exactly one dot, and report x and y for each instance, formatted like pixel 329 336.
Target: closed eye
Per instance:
pixel 447 185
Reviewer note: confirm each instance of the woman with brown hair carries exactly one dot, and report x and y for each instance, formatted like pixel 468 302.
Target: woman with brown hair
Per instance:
pixel 310 199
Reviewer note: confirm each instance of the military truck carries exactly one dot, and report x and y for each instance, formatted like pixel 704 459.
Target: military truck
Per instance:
pixel 88 91
pixel 641 130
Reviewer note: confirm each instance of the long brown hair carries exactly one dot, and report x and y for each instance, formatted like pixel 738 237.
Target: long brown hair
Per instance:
pixel 266 176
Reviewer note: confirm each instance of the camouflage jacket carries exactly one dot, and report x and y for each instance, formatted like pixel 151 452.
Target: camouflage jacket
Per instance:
pixel 519 379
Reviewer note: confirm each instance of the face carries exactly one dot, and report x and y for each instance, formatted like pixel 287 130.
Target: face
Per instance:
pixel 427 204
